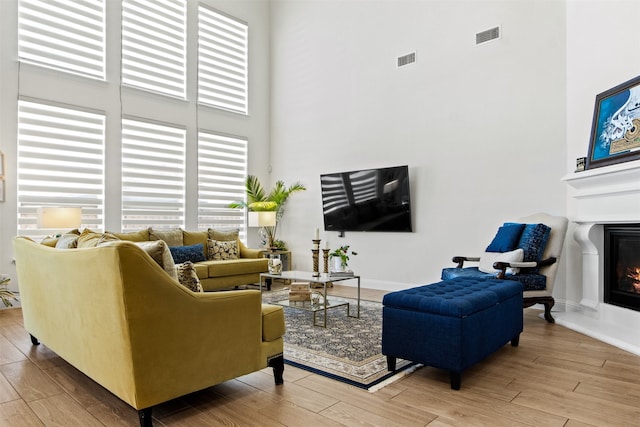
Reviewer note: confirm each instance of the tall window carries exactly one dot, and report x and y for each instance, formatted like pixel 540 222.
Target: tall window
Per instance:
pixel 60 163
pixel 67 35
pixel 222 168
pixel 222 60
pixel 154 43
pixel 153 175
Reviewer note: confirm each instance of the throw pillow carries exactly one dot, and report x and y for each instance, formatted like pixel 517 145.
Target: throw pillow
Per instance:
pixel 193 253
pixel 159 251
pixel 67 241
pixel 224 235
pixel 533 241
pixel 172 237
pixel 487 260
pixel 507 238
pixel 222 250
pixel 187 276
pixel 91 239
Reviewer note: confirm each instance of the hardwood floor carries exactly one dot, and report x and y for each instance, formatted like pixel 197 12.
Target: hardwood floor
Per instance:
pixel 556 377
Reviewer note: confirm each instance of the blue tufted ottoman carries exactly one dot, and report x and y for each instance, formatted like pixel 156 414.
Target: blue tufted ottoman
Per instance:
pixel 451 324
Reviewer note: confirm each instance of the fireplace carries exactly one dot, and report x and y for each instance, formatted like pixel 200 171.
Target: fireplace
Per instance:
pixel 622 265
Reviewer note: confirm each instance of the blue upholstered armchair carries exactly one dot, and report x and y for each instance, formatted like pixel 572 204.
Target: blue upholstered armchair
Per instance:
pixel 528 251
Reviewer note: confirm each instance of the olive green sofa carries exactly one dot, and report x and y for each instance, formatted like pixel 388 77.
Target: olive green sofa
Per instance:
pixel 214 275
pixel 114 314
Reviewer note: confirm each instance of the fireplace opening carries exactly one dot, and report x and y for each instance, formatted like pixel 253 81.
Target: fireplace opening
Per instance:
pixel 622 265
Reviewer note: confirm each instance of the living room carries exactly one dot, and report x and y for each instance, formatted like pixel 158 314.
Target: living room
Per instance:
pixel 488 131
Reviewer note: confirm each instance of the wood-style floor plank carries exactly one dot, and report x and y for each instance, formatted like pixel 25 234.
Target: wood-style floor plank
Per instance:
pixel 555 377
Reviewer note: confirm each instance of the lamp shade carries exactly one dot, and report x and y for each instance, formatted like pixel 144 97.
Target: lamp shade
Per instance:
pixel 262 219
pixel 59 217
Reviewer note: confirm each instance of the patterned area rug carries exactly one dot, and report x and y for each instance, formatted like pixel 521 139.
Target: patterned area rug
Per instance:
pixel 348 349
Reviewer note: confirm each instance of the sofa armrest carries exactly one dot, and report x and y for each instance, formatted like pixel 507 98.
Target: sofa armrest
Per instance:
pixel 246 252
pixel 461 259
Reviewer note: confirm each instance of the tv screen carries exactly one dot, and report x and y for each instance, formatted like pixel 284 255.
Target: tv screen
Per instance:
pixel 367 200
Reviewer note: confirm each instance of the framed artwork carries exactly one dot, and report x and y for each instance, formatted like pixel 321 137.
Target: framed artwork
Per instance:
pixel 615 130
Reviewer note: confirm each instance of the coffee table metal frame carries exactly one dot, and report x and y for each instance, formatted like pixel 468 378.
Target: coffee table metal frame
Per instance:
pixel 323 279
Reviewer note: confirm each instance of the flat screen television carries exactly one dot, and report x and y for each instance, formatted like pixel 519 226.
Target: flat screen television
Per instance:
pixel 367 200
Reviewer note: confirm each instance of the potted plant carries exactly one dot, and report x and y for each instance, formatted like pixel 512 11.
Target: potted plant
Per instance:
pixel 258 200
pixel 340 258
pixel 5 294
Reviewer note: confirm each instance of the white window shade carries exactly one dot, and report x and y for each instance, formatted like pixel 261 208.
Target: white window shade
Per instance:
pixel 66 35
pixel 222 61
pixel 153 175
pixel 154 45
pixel 222 169
pixel 60 163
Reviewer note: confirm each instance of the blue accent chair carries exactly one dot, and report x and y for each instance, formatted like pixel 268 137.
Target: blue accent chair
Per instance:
pixel 537 277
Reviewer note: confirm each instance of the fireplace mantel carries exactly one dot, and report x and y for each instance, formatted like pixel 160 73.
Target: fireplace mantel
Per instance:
pixel 607 195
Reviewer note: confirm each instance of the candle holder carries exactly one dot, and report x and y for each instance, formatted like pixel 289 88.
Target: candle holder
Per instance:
pixel 315 252
pixel 325 254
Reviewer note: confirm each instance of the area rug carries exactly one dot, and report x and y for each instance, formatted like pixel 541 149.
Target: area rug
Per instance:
pixel 348 349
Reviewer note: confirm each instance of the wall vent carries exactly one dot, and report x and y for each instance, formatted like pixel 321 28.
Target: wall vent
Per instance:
pixel 406 59
pixel 488 35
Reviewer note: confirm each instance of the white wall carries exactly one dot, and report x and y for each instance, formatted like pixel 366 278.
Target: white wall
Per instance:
pixel 601 34
pixel 482 128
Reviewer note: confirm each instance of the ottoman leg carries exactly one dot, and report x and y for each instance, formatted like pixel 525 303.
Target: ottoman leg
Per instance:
pixel 515 341
pixel 391 363
pixel 455 380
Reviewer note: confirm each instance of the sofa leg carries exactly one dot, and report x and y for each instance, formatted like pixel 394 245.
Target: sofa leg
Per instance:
pixel 145 417
pixel 34 340
pixel 456 380
pixel 277 363
pixel 391 363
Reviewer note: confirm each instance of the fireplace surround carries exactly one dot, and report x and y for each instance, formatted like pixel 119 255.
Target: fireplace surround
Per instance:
pixel 622 265
pixel 599 199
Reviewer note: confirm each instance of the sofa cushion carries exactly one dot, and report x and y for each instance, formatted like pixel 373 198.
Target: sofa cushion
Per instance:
pixel 234 267
pixel 507 238
pixel 91 239
pixel 193 253
pixel 172 237
pixel 192 237
pixel 134 236
pixel 224 235
pixel 222 250
pixel 187 276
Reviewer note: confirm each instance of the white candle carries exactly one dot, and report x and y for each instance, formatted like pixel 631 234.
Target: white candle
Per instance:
pixel 317 234
pixel 326 244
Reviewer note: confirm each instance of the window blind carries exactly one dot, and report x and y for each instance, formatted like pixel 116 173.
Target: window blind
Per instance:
pixel 66 35
pixel 222 169
pixel 60 163
pixel 154 45
pixel 153 175
pixel 222 60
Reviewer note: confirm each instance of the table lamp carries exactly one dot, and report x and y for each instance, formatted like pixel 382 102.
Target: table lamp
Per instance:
pixel 59 217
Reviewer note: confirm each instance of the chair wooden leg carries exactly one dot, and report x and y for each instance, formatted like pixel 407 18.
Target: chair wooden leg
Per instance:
pixel 145 417
pixel 548 303
pixel 277 363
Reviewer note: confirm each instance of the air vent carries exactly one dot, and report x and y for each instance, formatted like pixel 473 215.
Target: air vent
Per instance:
pixel 406 59
pixel 488 35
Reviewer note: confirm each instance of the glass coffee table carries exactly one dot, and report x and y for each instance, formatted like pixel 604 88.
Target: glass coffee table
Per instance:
pixel 324 279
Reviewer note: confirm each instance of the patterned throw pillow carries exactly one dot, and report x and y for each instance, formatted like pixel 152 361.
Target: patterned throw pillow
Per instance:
pixel 217 250
pixel 193 253
pixel 67 241
pixel 533 241
pixel 187 276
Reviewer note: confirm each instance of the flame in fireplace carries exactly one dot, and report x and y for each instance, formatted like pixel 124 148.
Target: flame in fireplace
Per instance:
pixel 633 278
